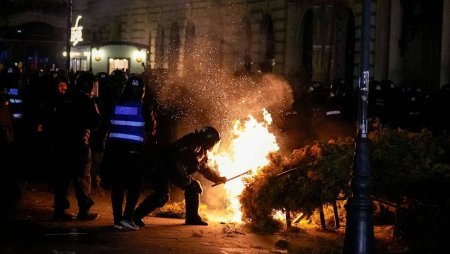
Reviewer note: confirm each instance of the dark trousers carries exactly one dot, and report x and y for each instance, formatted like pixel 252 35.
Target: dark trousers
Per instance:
pixel 61 192
pixel 127 177
pixel 161 187
pixel 72 165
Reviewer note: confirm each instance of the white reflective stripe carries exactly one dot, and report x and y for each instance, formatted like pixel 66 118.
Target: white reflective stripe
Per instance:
pixel 120 110
pixel 127 123
pixel 17 115
pixel 15 101
pixel 126 136
pixel 333 112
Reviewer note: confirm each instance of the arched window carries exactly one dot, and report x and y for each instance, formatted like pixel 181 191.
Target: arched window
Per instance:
pixel 174 47
pixel 268 43
pixel 350 49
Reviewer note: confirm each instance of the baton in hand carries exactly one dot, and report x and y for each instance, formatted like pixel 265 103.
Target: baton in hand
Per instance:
pixel 234 177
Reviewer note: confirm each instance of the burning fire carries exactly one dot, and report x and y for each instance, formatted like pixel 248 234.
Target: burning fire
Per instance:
pixel 249 145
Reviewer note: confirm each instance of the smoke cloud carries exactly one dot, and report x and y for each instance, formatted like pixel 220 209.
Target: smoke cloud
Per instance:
pixel 218 100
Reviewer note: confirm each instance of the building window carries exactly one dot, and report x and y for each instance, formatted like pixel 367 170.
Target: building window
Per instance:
pixel 118 64
pixel 79 64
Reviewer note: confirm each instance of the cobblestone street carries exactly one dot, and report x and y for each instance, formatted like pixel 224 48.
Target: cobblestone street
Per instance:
pixel 33 231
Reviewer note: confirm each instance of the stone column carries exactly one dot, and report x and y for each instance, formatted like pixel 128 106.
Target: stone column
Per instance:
pixel 395 61
pixel 445 48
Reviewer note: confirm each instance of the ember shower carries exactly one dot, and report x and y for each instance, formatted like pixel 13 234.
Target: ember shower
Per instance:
pixel 219 99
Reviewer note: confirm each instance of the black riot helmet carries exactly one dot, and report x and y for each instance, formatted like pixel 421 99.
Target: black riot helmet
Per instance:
pixel 84 82
pixel 338 88
pixel 10 77
pixel 102 77
pixel 133 88
pixel 209 136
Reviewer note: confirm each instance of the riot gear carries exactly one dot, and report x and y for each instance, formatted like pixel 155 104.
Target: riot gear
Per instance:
pixel 127 122
pixel 133 88
pixel 338 88
pixel 177 163
pixel 412 109
pixel 131 127
pixel 10 77
pixel 192 197
pixel 195 187
pixel 12 90
pixel 84 82
pixel 377 102
pixel 209 136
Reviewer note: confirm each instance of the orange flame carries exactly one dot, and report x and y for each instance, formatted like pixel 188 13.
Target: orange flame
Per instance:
pixel 248 149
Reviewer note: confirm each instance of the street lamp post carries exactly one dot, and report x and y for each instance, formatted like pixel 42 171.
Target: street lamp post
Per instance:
pixel 69 29
pixel 359 235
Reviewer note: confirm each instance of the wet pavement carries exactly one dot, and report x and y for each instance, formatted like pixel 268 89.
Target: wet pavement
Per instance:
pixel 32 230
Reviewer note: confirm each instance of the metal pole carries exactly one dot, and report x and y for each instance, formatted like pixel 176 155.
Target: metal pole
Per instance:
pixel 359 235
pixel 69 30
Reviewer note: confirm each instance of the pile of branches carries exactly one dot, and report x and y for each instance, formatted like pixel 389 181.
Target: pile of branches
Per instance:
pixel 318 174
pixel 411 170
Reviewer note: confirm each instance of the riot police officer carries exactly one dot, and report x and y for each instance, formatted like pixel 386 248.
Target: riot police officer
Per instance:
pixel 335 119
pixel 175 165
pixel 412 110
pixel 390 101
pixel 10 84
pixel 438 111
pixel 131 131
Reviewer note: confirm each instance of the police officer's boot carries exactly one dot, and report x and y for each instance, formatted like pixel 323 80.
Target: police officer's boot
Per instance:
pixel 137 217
pixel 84 214
pixel 192 203
pixel 61 215
pixel 60 210
pixel 148 205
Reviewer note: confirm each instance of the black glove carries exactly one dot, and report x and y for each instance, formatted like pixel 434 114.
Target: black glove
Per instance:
pixel 222 179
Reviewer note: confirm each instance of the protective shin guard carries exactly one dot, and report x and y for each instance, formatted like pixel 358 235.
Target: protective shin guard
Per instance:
pixel 149 204
pixel 192 205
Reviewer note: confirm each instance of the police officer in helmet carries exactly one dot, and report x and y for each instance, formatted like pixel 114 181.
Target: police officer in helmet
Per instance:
pixel 131 129
pixel 177 163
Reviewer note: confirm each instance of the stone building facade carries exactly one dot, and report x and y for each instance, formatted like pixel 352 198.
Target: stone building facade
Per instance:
pixel 304 40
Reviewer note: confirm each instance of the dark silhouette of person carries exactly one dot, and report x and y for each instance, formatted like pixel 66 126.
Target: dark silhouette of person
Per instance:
pixel 69 118
pixel 175 165
pixel 132 126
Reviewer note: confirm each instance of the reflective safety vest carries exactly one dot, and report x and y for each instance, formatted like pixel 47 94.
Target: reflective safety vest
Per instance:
pixel 15 102
pixel 127 122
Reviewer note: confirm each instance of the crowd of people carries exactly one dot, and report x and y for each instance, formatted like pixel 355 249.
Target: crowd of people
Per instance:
pixel 90 127
pixel 335 107
pixel 80 128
